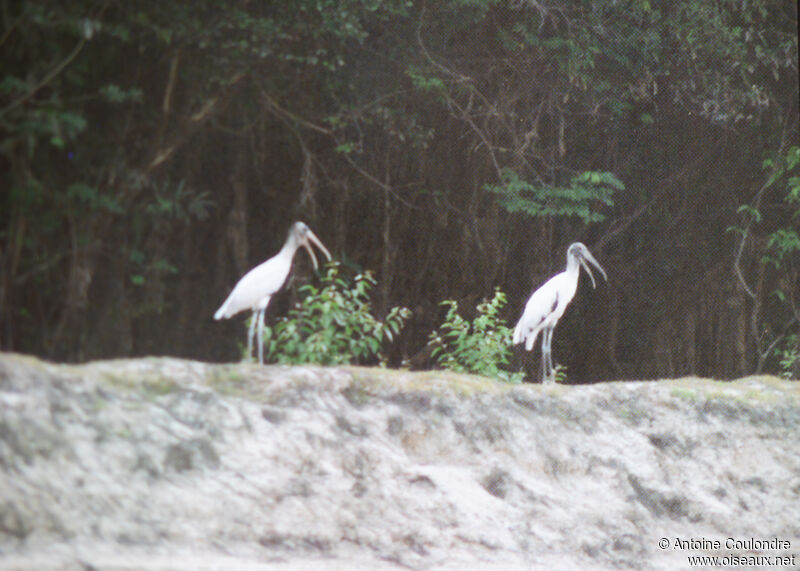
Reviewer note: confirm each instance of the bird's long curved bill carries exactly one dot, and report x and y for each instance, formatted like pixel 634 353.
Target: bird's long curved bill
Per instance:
pixel 316 241
pixel 588 257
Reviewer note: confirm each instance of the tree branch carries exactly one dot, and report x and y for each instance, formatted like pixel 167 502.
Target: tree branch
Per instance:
pixel 289 115
pixel 47 78
pixel 164 153
pixel 464 79
pixel 746 233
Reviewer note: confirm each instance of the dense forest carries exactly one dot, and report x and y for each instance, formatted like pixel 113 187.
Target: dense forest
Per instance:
pixel 155 151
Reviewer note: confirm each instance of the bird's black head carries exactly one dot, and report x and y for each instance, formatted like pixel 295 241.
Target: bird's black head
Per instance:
pixel 299 230
pixel 301 235
pixel 582 254
pixel 577 250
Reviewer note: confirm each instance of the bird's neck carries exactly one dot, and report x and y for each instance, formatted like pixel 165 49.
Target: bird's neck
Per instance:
pixel 573 266
pixel 289 248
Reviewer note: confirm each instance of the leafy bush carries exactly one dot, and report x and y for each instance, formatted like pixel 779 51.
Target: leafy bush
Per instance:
pixel 784 242
pixel 479 347
pixel 578 199
pixel 773 225
pixel 333 324
pixel 560 374
pixel 789 356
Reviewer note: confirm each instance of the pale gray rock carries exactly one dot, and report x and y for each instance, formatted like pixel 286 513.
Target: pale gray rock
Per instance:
pixel 170 464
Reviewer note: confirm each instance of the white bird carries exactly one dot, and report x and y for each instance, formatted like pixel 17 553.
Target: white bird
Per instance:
pixel 547 304
pixel 256 288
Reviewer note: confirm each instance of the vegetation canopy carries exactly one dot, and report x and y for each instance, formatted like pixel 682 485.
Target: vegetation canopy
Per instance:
pixel 155 151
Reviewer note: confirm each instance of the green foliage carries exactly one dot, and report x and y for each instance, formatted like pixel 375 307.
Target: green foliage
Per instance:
pixel 142 265
pixel 781 244
pixel 313 34
pixel 425 81
pixel 560 374
pixel 780 251
pixel 116 94
pixel 178 202
pixel 480 347
pixel 162 204
pixel 784 243
pixel 106 107
pixel 750 211
pixel 333 324
pixel 576 53
pixel 83 195
pixel 730 54
pixel 579 199
pixel 788 356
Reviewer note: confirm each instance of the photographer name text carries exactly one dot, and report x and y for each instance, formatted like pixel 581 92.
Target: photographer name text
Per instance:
pixel 748 544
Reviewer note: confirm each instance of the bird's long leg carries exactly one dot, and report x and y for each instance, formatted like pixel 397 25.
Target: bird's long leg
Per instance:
pixel 547 355
pixel 544 357
pixel 250 334
pixel 261 336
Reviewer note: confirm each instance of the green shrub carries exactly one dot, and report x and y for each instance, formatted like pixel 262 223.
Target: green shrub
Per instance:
pixel 333 324
pixel 772 226
pixel 789 356
pixel 479 347
pixel 586 193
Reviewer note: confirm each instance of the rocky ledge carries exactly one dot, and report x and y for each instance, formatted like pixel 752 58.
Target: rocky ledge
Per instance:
pixel 168 464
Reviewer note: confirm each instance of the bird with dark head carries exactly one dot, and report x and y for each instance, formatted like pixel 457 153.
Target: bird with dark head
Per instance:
pixel 548 303
pixel 256 288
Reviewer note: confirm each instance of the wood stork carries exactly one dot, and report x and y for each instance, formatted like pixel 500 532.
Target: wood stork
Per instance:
pixel 547 304
pixel 256 288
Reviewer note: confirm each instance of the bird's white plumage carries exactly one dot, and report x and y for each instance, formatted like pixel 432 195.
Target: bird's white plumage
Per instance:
pixel 548 303
pixel 545 307
pixel 256 288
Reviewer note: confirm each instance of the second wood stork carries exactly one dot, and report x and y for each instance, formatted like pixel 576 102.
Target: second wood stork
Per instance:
pixel 547 304
pixel 256 288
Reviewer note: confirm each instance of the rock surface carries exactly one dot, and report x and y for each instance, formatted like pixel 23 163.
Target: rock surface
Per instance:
pixel 168 464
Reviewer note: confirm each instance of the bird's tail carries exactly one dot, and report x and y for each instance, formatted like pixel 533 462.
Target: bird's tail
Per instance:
pixel 221 312
pixel 531 339
pixel 517 337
